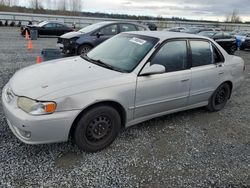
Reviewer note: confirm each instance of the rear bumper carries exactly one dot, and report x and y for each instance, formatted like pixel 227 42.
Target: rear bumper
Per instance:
pixel 38 129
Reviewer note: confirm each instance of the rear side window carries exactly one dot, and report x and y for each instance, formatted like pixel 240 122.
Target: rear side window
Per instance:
pixel 201 53
pixel 59 26
pixel 127 27
pixel 50 25
pixel 172 55
pixel 140 28
pixel 109 30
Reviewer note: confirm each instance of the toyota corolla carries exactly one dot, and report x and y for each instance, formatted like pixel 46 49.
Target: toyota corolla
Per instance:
pixel 128 79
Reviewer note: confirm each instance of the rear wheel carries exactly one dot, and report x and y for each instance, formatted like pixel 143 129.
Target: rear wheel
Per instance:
pixel 219 98
pixel 97 128
pixel 84 49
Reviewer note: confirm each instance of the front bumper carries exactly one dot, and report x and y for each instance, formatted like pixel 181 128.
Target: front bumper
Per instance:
pixel 245 44
pixel 67 47
pixel 40 129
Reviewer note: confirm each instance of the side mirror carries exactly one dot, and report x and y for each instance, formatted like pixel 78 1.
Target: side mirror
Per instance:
pixel 153 69
pixel 98 34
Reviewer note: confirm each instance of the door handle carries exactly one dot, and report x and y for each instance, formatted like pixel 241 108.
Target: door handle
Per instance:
pixel 220 73
pixel 185 80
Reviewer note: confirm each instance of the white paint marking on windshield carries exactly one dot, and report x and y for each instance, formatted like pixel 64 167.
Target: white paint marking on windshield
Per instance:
pixel 137 41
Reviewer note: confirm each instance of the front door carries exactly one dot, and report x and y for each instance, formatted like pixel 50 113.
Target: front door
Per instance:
pixel 106 33
pixel 159 93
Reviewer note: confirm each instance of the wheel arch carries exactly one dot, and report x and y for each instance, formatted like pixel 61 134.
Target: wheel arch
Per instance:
pixel 230 83
pixel 120 109
pixel 85 43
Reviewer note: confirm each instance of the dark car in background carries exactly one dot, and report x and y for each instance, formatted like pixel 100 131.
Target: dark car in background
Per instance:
pixel 196 30
pixel 245 41
pixel 175 29
pixel 151 26
pixel 82 41
pixel 47 28
pixel 225 40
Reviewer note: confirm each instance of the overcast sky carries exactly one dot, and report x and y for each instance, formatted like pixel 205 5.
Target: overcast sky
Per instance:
pixel 191 9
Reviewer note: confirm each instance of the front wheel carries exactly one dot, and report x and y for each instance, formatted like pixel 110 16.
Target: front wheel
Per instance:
pixel 97 128
pixel 84 49
pixel 219 98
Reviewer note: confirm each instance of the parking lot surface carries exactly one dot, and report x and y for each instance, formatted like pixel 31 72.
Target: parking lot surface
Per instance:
pixel 194 148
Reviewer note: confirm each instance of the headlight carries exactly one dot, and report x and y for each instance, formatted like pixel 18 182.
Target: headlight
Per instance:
pixel 73 40
pixel 36 107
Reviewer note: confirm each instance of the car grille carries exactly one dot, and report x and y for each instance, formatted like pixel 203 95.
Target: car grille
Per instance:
pixel 65 42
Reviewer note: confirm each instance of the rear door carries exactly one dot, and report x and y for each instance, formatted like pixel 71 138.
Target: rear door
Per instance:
pixel 60 29
pixel 48 29
pixel 159 93
pixel 207 70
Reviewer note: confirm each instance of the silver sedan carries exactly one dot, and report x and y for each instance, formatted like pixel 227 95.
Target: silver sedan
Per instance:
pixel 128 79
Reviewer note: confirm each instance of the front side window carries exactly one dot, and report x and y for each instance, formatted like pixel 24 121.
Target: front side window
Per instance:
pixel 122 52
pixel 173 56
pixel 109 30
pixel 201 53
pixel 50 25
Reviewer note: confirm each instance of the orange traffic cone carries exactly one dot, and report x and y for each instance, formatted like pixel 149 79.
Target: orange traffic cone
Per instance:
pixel 30 46
pixel 39 59
pixel 26 35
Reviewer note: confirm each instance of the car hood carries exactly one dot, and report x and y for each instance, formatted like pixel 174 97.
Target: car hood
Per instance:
pixel 71 35
pixel 43 79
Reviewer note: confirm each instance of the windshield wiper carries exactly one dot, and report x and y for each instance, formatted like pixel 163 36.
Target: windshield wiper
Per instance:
pixel 101 63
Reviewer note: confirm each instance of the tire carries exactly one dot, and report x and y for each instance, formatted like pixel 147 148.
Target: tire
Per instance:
pixel 84 49
pixel 97 128
pixel 242 48
pixel 232 50
pixel 219 98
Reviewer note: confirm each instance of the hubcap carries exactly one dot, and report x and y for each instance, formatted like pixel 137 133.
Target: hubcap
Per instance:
pixel 220 97
pixel 85 50
pixel 98 129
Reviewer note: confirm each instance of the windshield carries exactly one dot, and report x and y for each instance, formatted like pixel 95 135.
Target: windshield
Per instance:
pixel 92 27
pixel 122 52
pixel 207 33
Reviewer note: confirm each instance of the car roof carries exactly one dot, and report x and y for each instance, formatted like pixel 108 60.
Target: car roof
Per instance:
pixel 119 22
pixel 163 35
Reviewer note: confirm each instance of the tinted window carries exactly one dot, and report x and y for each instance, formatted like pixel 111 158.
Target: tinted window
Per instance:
pixel 227 36
pixel 218 36
pixel 140 28
pixel 217 57
pixel 201 53
pixel 109 30
pixel 59 25
pixel 173 55
pixel 127 27
pixel 50 25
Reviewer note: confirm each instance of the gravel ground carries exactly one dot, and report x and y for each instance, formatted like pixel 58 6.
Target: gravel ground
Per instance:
pixel 194 148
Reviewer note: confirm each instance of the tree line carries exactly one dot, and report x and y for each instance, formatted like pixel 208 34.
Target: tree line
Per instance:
pixel 62 5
